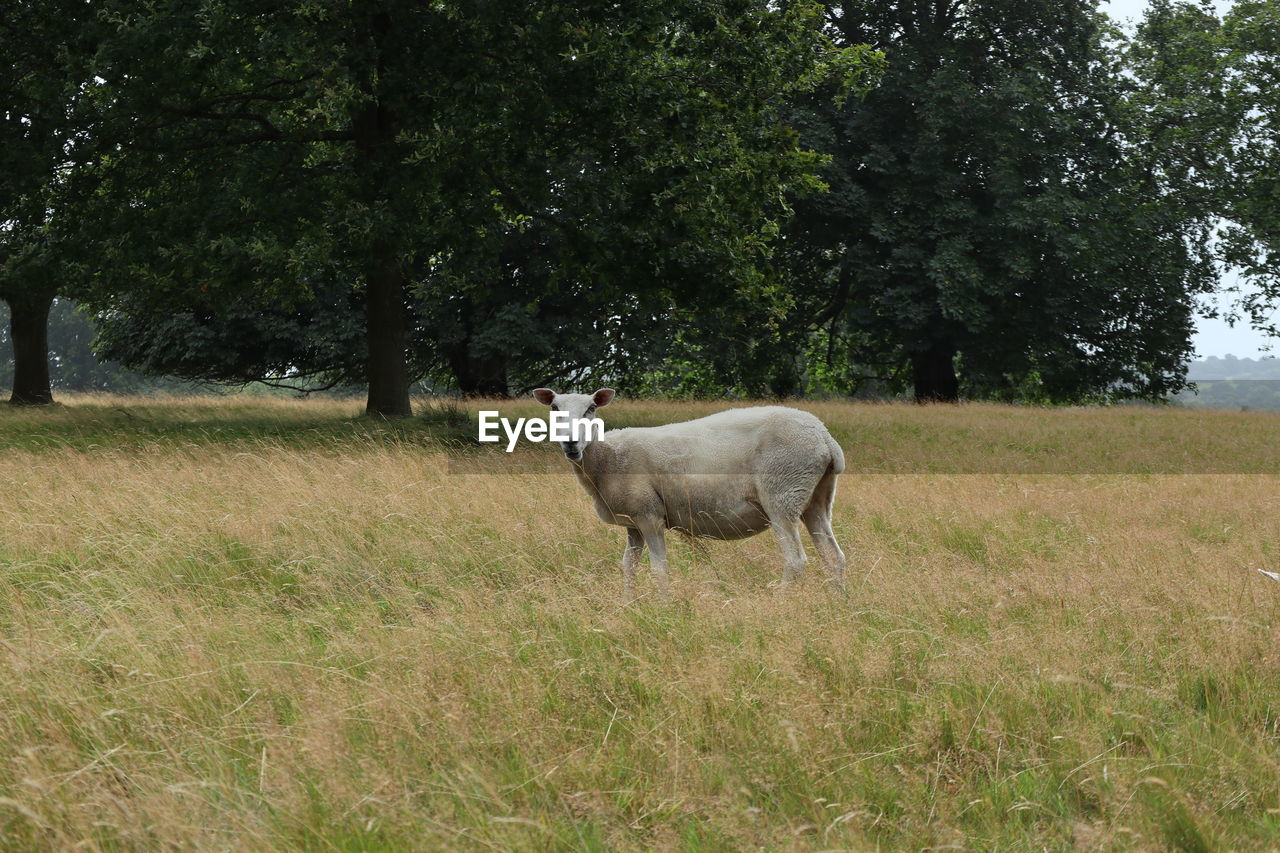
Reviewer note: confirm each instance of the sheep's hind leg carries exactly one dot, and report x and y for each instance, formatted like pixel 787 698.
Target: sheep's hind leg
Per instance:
pixel 631 559
pixel 655 537
pixel 793 558
pixel 817 520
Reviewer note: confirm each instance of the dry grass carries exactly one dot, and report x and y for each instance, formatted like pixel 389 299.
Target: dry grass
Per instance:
pixel 262 624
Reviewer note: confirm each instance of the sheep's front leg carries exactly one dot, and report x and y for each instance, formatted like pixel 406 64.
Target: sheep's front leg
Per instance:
pixel 631 559
pixel 655 537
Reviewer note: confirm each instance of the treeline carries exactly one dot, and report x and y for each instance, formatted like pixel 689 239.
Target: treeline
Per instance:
pixel 1231 367
pixel 1256 395
pixel 1233 383
pixel 1010 199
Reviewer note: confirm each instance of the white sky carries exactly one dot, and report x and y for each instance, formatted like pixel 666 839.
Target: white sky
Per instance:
pixel 1213 337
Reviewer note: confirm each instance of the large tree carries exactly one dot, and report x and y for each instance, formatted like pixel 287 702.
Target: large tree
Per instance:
pixel 1212 115
pixel 1251 201
pixel 45 47
pixel 1220 85
pixel 278 149
pixel 994 225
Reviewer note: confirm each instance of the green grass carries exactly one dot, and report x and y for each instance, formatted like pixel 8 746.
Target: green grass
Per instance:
pixel 239 624
pixel 106 423
pixel 972 439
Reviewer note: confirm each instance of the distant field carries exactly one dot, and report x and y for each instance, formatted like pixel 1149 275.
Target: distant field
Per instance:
pixel 252 624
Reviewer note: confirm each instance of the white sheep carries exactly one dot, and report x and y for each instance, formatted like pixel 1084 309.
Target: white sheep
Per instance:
pixel 726 476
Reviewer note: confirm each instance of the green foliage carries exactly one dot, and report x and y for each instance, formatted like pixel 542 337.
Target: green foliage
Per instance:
pixel 630 158
pixel 1027 197
pixel 45 54
pixel 45 49
pixel 994 199
pixel 1251 32
pixel 1211 87
pixel 315 343
pixel 73 365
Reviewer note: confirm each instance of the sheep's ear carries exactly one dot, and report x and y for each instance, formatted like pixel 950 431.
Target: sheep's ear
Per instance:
pixel 602 397
pixel 544 395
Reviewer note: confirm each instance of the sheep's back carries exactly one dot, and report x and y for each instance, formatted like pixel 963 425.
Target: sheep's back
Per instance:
pixel 735 441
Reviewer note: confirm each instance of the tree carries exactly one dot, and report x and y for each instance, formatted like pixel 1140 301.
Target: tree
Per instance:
pixel 283 149
pixel 498 313
pixel 29 338
pixel 994 223
pixel 45 47
pixel 72 362
pixel 1246 80
pixel 311 345
pixel 1212 111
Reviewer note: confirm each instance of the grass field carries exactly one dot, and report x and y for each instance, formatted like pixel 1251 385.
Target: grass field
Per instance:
pixel 254 624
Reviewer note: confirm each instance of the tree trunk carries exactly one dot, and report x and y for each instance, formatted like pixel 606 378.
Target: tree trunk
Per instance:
pixel 385 282
pixel 784 381
pixel 388 365
pixel 934 374
pixel 29 331
pixel 479 376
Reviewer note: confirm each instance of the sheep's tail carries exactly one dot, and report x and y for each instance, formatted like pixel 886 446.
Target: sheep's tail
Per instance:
pixel 837 455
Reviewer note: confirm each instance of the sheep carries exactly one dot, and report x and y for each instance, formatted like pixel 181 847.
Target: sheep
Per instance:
pixel 725 476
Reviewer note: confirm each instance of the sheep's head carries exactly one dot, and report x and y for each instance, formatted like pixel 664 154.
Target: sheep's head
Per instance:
pixel 576 406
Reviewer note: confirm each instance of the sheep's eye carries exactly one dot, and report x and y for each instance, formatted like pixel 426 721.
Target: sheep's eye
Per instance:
pixel 590 409
pixel 554 407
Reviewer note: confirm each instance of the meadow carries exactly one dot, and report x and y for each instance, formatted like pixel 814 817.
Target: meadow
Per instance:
pixel 251 624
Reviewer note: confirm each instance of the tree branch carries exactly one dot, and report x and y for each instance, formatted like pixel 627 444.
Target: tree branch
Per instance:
pixel 510 194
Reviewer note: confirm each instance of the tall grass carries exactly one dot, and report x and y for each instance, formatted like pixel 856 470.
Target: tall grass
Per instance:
pixel 266 624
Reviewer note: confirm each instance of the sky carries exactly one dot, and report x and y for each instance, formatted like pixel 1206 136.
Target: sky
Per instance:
pixel 1213 337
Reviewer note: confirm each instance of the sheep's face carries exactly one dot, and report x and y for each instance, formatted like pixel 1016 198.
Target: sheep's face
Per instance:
pixel 576 406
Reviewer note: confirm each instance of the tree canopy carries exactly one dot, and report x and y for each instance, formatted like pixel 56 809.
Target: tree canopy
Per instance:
pixel 261 154
pixel 996 216
pixel 45 48
pixel 1210 86
pixel 1009 199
